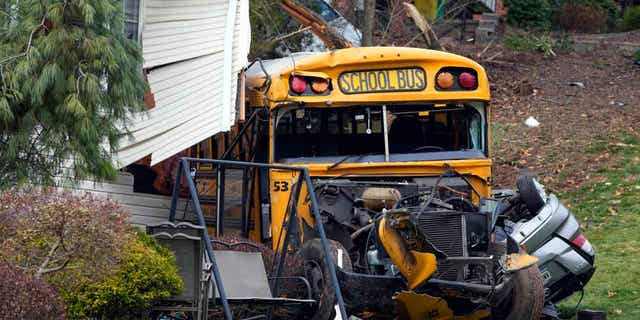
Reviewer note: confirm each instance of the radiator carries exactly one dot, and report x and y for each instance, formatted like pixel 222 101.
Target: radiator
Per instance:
pixel 446 231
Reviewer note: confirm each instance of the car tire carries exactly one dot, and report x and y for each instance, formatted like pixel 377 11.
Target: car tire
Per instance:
pixel 527 297
pixel 529 194
pixel 317 273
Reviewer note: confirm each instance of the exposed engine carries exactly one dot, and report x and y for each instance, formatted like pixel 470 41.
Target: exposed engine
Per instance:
pixel 444 222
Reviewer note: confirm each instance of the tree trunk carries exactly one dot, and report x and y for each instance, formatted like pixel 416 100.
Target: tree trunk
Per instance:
pixel 369 22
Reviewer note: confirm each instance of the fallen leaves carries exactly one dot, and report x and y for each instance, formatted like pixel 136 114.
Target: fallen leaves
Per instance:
pixel 575 141
pixel 616 311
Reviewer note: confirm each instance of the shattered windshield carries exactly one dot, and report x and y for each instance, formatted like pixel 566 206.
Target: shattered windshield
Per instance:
pixel 321 8
pixel 412 133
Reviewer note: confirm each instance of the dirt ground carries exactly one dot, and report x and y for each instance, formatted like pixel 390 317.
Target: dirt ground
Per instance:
pixel 579 122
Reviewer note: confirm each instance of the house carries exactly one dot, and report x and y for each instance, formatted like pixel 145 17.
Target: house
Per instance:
pixel 193 51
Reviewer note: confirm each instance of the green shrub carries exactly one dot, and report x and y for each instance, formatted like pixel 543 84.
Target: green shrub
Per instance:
pixel 636 56
pixel 545 44
pixel 526 42
pixel 529 14
pixel 519 42
pixel 631 19
pixel 148 274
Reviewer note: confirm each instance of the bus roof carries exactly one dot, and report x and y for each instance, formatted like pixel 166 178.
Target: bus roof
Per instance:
pixel 269 80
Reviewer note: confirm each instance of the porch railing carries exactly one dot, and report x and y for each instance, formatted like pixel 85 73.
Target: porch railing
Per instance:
pixel 184 168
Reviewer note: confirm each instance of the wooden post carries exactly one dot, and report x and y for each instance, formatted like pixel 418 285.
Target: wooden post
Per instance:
pixel 241 96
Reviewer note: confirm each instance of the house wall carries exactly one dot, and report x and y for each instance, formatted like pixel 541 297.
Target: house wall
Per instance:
pixel 193 51
pixel 144 208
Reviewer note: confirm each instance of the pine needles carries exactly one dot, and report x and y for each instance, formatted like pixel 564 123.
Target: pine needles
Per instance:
pixel 68 79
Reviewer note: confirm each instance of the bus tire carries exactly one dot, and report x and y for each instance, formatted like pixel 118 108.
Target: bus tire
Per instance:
pixel 527 297
pixel 317 273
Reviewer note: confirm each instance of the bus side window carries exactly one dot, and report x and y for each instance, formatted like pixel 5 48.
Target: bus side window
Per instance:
pixel 346 123
pixel 313 121
pixel 333 126
pixel 284 124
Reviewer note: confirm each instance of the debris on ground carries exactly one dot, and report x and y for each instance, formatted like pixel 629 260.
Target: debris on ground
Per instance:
pixel 531 122
pixel 581 125
pixel 576 84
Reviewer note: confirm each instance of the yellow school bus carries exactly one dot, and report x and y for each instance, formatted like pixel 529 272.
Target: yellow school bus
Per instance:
pixel 397 143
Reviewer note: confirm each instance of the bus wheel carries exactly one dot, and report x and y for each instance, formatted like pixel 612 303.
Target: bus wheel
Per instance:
pixel 527 297
pixel 317 273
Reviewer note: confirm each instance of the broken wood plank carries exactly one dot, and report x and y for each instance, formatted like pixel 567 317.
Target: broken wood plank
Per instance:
pixel 428 34
pixel 307 18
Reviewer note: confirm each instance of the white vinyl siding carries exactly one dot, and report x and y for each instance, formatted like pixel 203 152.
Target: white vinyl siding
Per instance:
pixel 192 59
pixel 144 209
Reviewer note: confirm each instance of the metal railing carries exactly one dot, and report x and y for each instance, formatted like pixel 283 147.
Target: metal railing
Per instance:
pixel 184 167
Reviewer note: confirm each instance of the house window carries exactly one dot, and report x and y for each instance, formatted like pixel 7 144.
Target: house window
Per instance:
pixel 132 18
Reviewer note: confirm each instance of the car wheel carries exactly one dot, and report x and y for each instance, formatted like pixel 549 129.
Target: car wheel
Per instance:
pixel 317 273
pixel 530 194
pixel 527 297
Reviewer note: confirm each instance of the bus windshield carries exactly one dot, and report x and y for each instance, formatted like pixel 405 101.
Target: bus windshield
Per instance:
pixel 412 133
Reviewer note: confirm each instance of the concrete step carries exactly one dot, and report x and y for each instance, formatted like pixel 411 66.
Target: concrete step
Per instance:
pixel 492 17
pixel 484 35
pixel 487 25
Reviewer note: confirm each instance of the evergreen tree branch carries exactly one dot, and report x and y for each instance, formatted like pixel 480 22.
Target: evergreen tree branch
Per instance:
pixel 28 49
pixel 59 110
pixel 82 75
pixel 7 14
pixel 4 85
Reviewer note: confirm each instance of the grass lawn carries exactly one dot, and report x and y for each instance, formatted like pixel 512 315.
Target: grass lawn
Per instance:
pixel 609 212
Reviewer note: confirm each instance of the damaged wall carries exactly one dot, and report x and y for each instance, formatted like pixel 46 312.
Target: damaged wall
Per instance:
pixel 193 51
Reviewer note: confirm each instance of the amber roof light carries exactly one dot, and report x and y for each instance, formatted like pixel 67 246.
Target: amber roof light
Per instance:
pixel 445 80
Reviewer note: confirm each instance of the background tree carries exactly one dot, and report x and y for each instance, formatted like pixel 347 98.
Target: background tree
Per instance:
pixel 369 23
pixel 68 80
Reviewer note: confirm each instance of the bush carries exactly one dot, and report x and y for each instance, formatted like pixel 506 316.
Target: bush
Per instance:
pixel 85 249
pixel 586 15
pixel 62 238
pixel 584 18
pixel 631 18
pixel 24 297
pixel 148 274
pixel 636 55
pixel 529 14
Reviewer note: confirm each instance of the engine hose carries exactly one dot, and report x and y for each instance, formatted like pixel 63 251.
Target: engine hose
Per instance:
pixel 360 231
